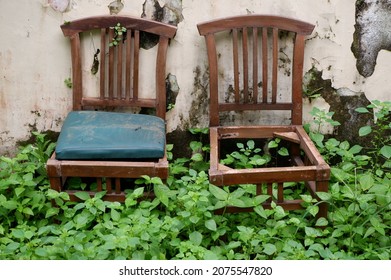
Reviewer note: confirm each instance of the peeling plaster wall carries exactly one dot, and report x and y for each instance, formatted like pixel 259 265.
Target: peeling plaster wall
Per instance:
pixel 35 58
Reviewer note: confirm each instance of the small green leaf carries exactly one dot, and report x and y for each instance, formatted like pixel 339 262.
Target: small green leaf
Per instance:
pixel 251 144
pixel 19 191
pixel 325 196
pixel 12 246
pixel 138 192
pixel 28 211
pixel 51 212
pixel 369 232
pixel 197 157
pixel 18 233
pixel 321 222
pixel 115 215
pixel 365 130
pixel 52 194
pixel 366 181
pixel 156 180
pixel 100 195
pixel 218 192
pixel 42 252
pixel 196 238
pixel 10 204
pixel 283 152
pixel 362 110
pixel 161 192
pixel 386 151
pixel 269 249
pixel 82 195
pixel 259 199
pixel 312 232
pixel 65 196
pixel 313 210
pixel 272 144
pixel 211 225
pixel 355 149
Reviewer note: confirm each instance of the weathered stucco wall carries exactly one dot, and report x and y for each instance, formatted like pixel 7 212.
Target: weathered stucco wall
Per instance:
pixel 346 61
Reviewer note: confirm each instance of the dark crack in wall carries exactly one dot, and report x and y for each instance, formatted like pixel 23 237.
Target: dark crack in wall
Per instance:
pixel 170 13
pixel 172 89
pixel 343 103
pixel 372 33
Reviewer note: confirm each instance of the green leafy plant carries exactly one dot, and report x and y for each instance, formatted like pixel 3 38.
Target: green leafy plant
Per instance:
pixel 68 83
pixel 119 35
pixel 181 222
pixel 380 133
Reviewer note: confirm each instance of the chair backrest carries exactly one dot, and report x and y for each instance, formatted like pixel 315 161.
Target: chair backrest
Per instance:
pixel 119 61
pixel 262 48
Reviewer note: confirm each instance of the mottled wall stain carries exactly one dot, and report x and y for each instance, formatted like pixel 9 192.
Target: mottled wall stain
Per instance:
pixel 343 103
pixel 372 33
pixel 199 112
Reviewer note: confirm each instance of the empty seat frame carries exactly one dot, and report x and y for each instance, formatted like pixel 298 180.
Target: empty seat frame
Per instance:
pixel 258 51
pixel 108 148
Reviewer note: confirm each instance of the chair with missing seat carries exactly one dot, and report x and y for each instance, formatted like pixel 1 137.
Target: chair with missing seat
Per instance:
pixel 251 59
pixel 101 141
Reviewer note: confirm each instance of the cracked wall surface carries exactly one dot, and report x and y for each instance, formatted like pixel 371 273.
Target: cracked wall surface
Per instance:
pixel 372 33
pixel 342 102
pixel 346 56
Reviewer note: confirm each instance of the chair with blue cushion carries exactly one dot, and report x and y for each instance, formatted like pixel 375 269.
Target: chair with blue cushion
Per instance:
pixel 106 140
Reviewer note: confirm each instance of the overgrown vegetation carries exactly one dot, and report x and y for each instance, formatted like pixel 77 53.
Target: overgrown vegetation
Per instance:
pixel 180 223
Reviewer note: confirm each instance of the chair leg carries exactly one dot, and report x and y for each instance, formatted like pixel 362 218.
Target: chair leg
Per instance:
pixel 322 186
pixel 55 183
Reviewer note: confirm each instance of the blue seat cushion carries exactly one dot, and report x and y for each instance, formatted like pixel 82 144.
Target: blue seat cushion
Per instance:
pixel 107 135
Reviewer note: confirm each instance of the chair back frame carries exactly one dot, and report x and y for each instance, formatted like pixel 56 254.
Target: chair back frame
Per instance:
pixel 258 27
pixel 119 82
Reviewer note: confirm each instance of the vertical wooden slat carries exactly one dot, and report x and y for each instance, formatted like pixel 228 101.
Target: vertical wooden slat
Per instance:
pixel 136 52
pixel 161 77
pixel 245 64
pixel 275 65
pixel 128 64
pixel 103 42
pixel 117 185
pixel 259 189
pixel 109 187
pixel 77 83
pixel 255 65
pixel 236 63
pixel 99 184
pixel 119 70
pixel 270 191
pixel 264 65
pixel 111 66
pixel 213 84
pixel 280 192
pixel 297 79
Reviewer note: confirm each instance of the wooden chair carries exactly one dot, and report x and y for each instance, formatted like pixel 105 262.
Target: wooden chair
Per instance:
pixel 259 50
pixel 105 147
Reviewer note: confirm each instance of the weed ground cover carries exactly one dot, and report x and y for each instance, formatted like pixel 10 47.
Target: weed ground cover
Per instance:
pixel 180 223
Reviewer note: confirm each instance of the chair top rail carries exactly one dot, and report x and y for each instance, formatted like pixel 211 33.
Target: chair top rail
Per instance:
pixel 255 20
pixel 73 27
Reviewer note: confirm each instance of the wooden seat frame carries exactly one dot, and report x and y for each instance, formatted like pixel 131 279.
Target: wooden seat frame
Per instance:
pixel 119 88
pixel 309 166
